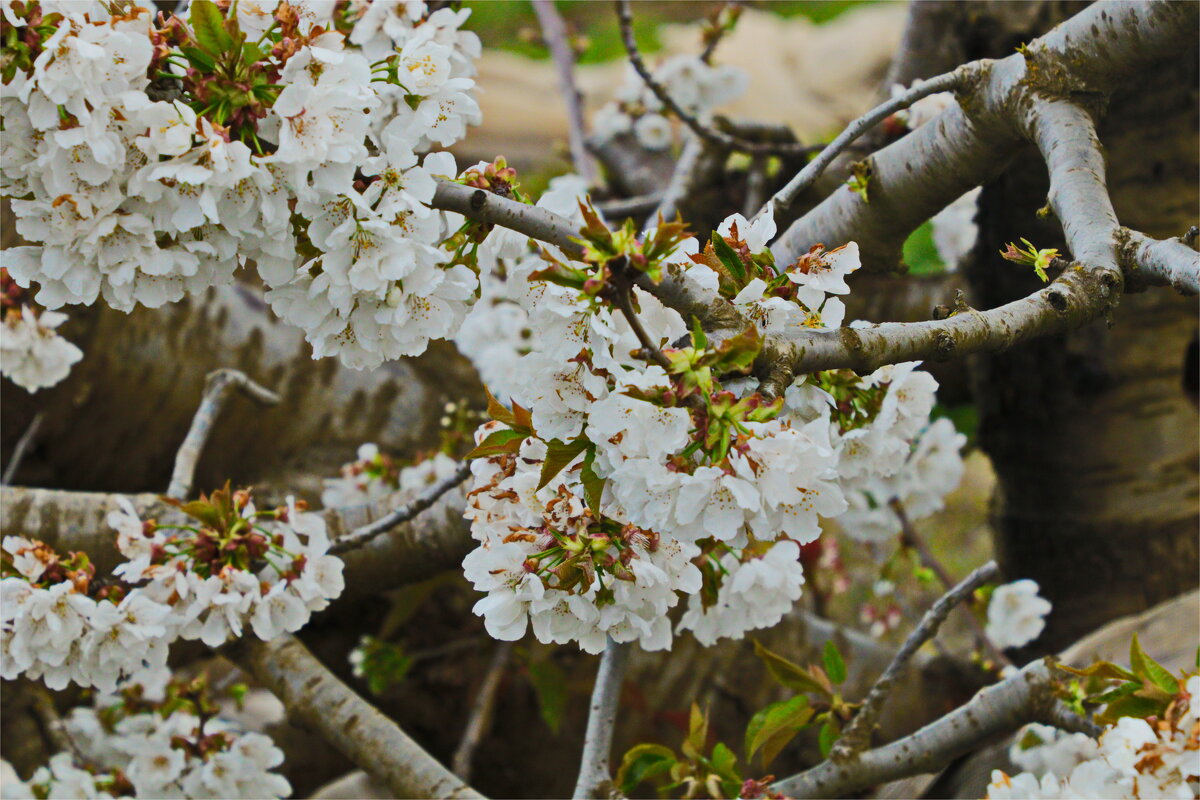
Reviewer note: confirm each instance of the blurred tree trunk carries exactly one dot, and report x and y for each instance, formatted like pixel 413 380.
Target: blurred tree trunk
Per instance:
pixel 1093 435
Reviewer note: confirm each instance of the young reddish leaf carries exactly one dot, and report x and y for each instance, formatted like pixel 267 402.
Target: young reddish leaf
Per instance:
pixel 558 456
pixel 498 412
pixel 790 675
pixel 497 442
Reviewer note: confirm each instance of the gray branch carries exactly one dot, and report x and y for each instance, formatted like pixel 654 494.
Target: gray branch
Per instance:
pixel 1027 696
pixel 858 733
pixel 1167 262
pixel 784 198
pixel 216 388
pixel 595 774
pixel 361 536
pixel 554 31
pixel 316 698
pixel 481 712
pixel 970 143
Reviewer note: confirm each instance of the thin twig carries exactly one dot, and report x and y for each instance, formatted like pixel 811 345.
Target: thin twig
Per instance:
pixel 710 46
pixel 594 772
pixel 216 388
pixel 554 31
pixel 858 733
pixel 361 536
pixel 756 186
pixel 18 453
pixel 481 713
pixel 910 538
pixel 784 198
pixel 710 135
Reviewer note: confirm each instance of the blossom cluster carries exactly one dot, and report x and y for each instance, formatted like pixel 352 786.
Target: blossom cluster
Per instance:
pixel 153 741
pixel 617 483
pixel 375 475
pixel 1157 757
pixel 697 87
pixel 33 354
pixel 235 567
pixel 148 159
pixel 1016 614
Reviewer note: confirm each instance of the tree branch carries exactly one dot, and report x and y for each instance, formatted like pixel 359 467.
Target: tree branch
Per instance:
pixel 1169 262
pixel 314 696
pixel 595 775
pixel 858 733
pixel 1027 696
pixel 216 388
pixel 555 34
pixel 361 536
pixel 18 453
pixel 786 196
pixel 971 142
pixel 712 136
pixel 481 712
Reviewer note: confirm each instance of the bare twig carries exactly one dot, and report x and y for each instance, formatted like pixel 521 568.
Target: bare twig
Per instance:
pixel 18 453
pixel 314 696
pixel 643 204
pixel 681 178
pixel 711 135
pixel 361 536
pixel 554 31
pixel 756 186
pixel 858 733
pixel 910 538
pixel 481 713
pixel 1027 696
pixel 784 198
pixel 216 388
pixel 595 775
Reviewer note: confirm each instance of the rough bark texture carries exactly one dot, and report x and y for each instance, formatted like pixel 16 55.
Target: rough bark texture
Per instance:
pixel 1092 436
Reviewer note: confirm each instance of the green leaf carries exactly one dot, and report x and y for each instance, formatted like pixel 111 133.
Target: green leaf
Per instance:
pixel 1132 706
pixel 559 455
pixel 593 484
pixel 550 685
pixel 699 340
pixel 697 738
pixel 829 735
pixel 834 665
pixel 724 762
pixel 1101 669
pixel 772 728
pixel 790 675
pixel 735 354
pixel 730 258
pixel 208 25
pixel 643 762
pixel 1146 667
pixel 252 53
pixel 497 442
pixel 199 59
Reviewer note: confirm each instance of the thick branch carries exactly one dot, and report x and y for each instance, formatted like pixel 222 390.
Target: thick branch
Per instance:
pixel 858 733
pixel 595 775
pixel 970 143
pixel 216 388
pixel 315 697
pixel 1027 696
pixel 1167 262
